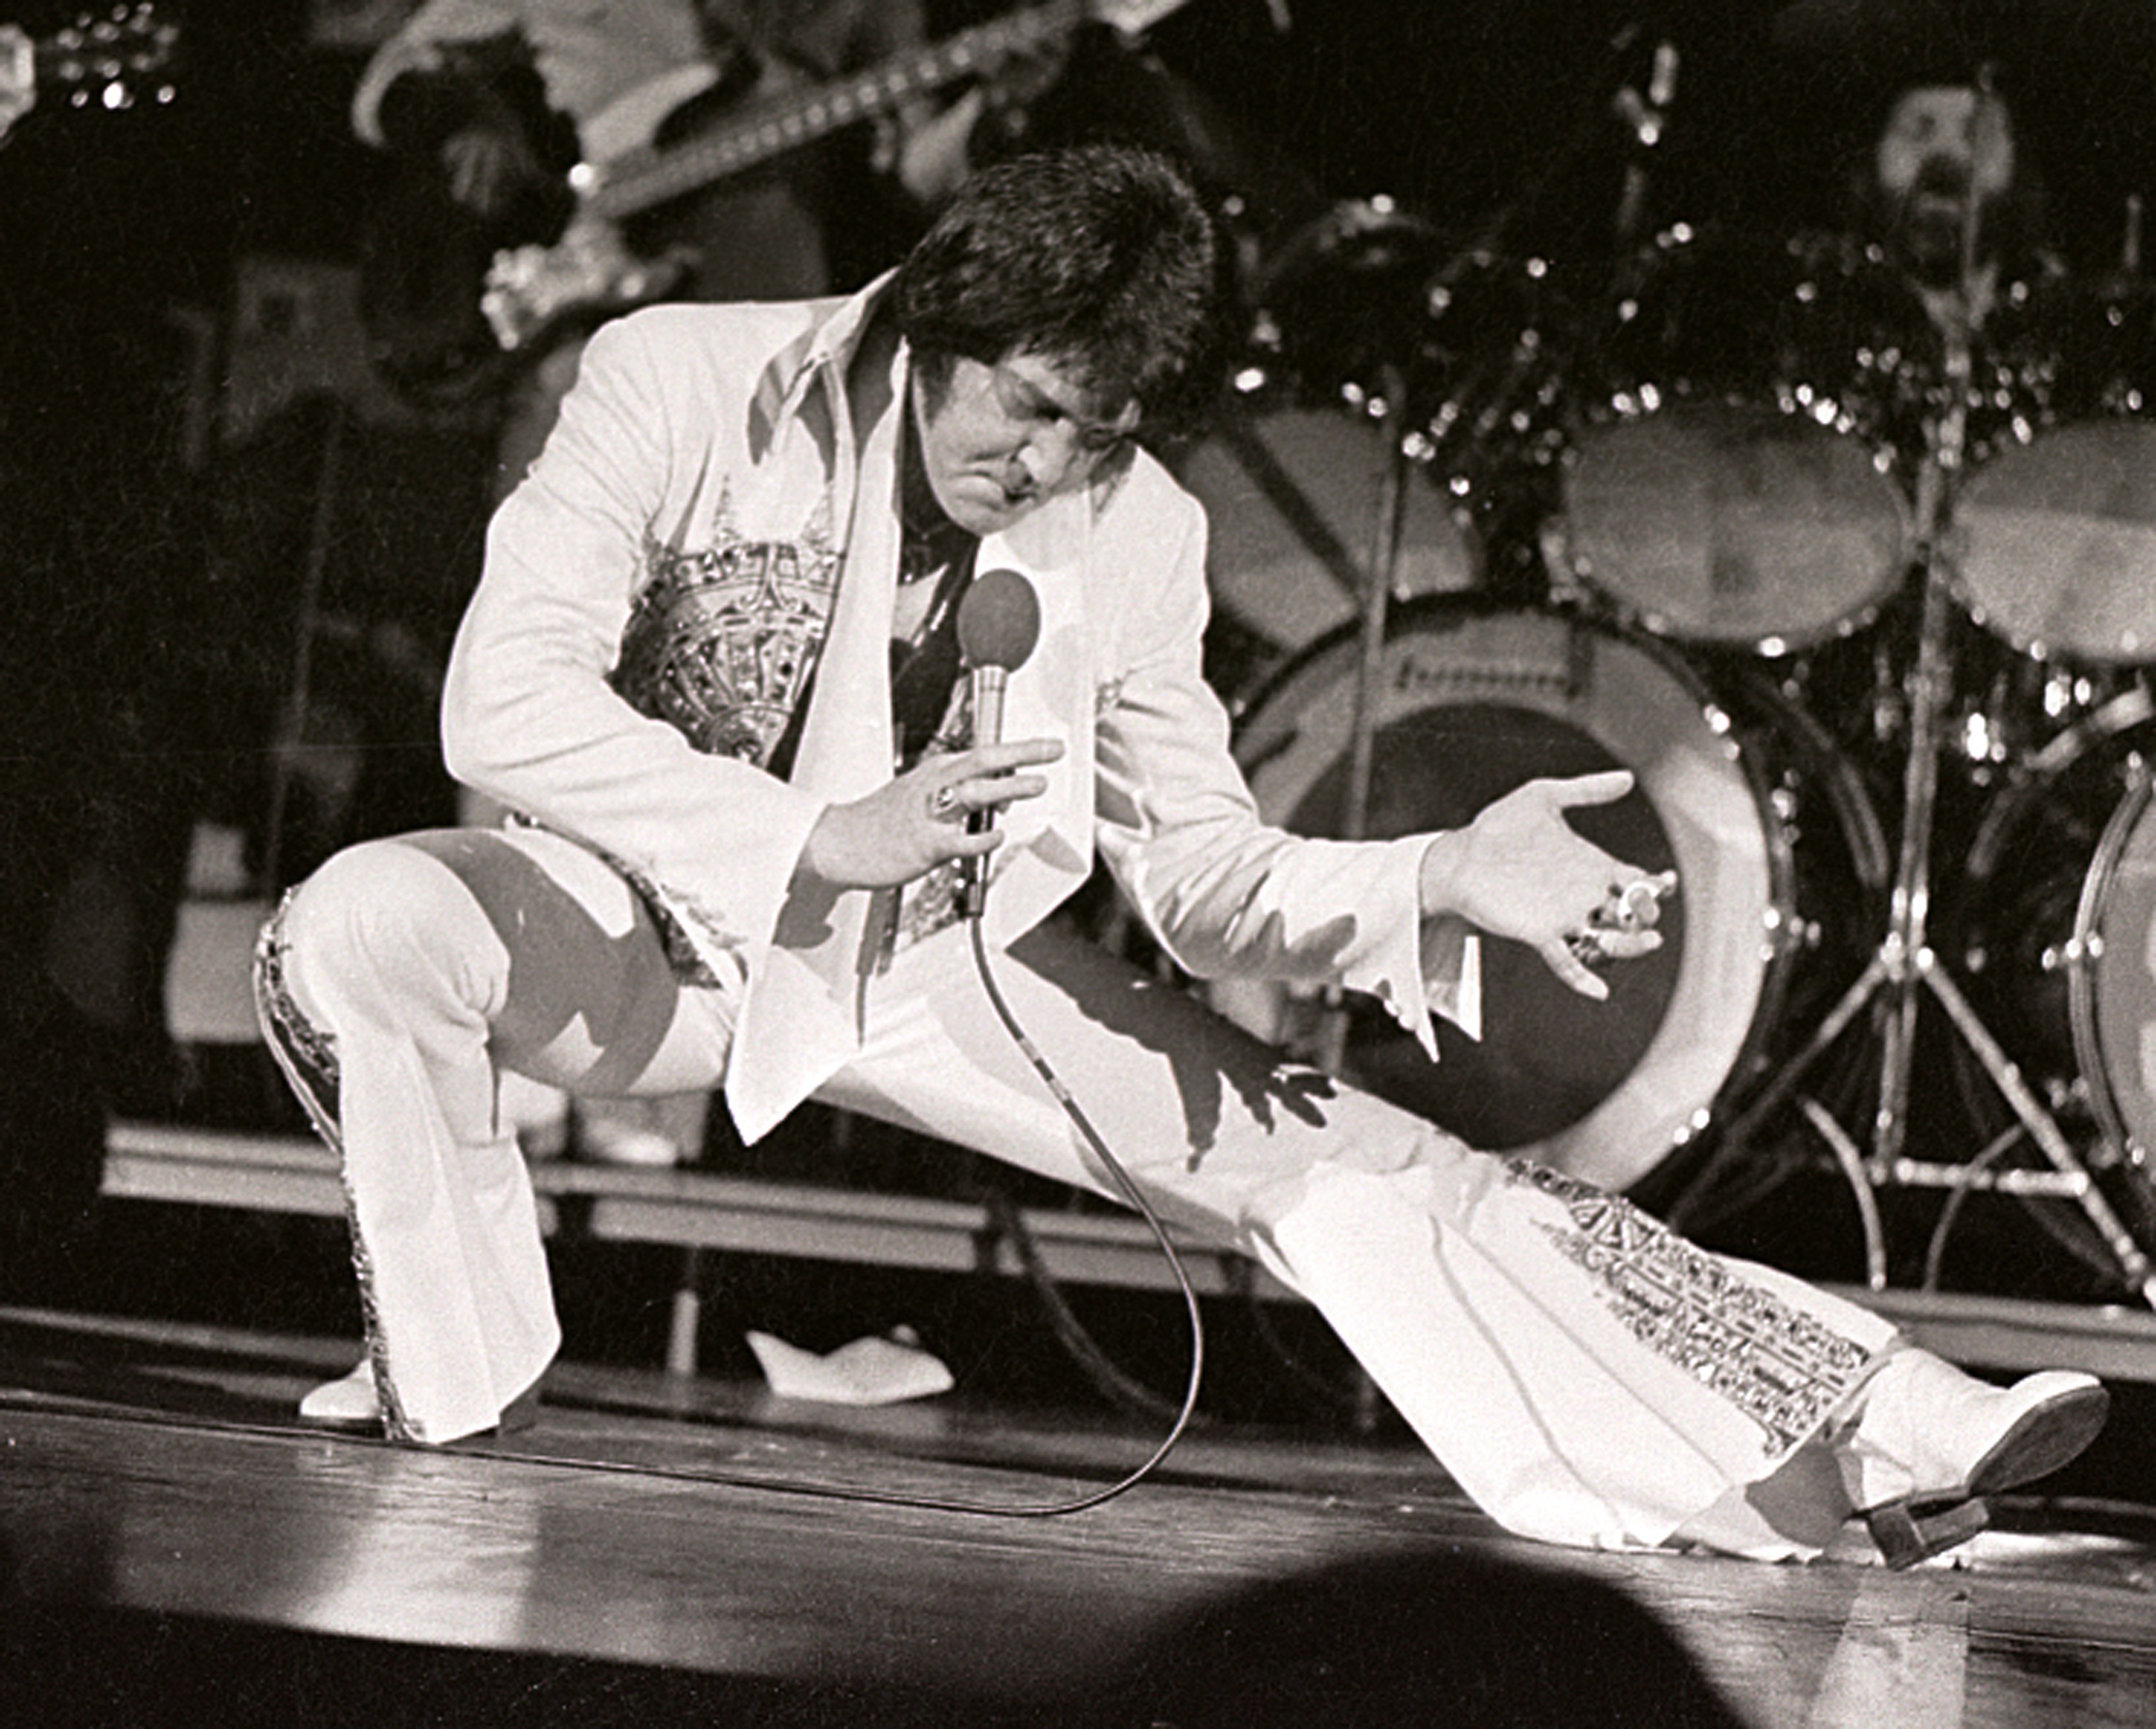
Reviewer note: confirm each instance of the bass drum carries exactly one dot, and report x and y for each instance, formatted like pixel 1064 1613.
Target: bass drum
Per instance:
pixel 1777 850
pixel 2059 936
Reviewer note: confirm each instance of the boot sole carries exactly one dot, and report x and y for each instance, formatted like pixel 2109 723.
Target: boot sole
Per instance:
pixel 2043 1439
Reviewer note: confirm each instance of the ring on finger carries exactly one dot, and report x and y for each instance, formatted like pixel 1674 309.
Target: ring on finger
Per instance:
pixel 1587 948
pixel 1628 908
pixel 943 803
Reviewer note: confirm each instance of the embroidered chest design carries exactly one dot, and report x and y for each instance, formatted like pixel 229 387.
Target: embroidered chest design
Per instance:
pixel 722 640
pixel 1783 1367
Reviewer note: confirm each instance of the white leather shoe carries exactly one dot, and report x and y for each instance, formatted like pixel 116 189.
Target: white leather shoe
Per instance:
pixel 1929 1442
pixel 347 1403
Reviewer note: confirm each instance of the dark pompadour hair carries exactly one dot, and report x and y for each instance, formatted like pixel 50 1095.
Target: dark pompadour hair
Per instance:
pixel 1101 257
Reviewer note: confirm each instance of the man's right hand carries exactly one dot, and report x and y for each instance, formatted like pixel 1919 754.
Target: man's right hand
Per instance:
pixel 907 827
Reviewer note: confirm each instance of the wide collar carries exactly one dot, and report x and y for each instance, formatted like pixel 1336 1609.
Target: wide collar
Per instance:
pixel 822 354
pixel 800 1019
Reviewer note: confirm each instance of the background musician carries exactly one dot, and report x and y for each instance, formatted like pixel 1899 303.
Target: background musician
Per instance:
pixel 18 91
pixel 1958 214
pixel 500 99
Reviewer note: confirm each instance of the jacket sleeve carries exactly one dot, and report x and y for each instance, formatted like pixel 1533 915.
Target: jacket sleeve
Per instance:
pixel 1225 893
pixel 528 714
pixel 411 57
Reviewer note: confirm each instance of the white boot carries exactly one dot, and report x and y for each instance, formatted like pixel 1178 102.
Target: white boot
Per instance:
pixel 1928 1440
pixel 347 1403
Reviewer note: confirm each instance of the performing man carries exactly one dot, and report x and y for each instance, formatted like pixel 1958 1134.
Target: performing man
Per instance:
pixel 711 666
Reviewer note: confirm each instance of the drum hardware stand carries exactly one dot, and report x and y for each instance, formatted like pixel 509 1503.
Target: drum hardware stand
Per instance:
pixel 1905 965
pixel 1384 563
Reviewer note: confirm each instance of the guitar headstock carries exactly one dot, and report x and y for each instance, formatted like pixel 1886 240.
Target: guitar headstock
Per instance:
pixel 108 60
pixel 1131 18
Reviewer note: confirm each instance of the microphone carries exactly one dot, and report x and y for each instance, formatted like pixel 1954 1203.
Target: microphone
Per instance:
pixel 999 623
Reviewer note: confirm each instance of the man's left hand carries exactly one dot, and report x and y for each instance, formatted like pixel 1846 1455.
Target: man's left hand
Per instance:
pixel 1520 870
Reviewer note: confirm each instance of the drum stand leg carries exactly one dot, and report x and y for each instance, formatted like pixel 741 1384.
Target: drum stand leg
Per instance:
pixel 1376 597
pixel 1904 967
pixel 1390 513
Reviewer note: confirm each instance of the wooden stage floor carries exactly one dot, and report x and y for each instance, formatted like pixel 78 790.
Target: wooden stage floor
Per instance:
pixel 173 1551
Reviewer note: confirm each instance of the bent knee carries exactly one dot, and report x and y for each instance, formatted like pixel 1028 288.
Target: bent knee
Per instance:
pixel 386 916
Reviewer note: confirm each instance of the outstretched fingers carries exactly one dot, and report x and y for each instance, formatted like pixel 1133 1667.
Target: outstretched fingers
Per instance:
pixel 1604 787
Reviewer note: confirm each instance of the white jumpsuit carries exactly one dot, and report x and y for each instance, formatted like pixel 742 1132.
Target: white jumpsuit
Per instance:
pixel 710 534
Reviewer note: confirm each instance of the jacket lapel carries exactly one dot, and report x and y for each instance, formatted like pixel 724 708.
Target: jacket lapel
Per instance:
pixel 800 1019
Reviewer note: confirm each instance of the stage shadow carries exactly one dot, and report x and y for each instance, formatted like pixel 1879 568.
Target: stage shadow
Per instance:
pixel 1469 1641
pixel 1209 1055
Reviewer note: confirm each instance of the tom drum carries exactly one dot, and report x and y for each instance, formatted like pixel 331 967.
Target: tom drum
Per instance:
pixel 1291 495
pixel 1722 490
pixel 2059 543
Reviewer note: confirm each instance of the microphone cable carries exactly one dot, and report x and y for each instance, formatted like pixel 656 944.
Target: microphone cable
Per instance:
pixel 1127 1187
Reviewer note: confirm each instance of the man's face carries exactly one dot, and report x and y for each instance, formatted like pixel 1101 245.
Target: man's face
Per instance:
pixel 998 441
pixel 1946 151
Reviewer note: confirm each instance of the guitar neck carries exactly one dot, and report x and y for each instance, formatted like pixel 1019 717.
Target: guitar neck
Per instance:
pixel 772 128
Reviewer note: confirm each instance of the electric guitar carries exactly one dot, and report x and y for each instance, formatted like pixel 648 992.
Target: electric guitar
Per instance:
pixel 589 271
pixel 99 60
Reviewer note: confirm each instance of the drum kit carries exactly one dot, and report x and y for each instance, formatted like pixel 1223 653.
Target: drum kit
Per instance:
pixel 1864 597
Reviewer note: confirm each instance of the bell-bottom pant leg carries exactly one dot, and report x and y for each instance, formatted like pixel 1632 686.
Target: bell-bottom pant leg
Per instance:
pixel 428 965
pixel 1586 1375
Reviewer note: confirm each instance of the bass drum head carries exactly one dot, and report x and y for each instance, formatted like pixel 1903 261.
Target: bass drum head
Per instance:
pixel 2114 1006
pixel 1472 702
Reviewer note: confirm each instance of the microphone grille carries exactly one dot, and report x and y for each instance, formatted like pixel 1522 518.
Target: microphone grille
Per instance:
pixel 999 620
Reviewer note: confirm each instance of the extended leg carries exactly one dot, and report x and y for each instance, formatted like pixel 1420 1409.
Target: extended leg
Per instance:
pixel 1587 1376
